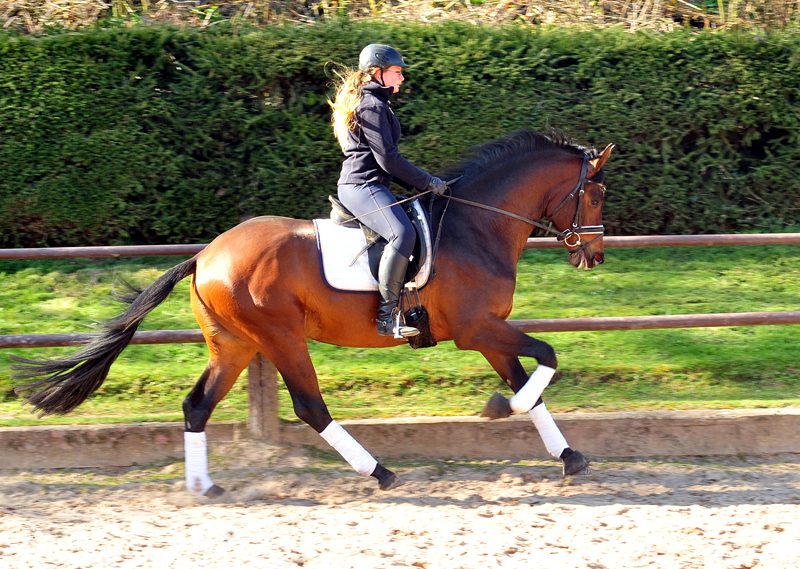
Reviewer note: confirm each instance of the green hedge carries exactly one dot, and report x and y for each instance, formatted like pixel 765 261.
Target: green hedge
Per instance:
pixel 160 135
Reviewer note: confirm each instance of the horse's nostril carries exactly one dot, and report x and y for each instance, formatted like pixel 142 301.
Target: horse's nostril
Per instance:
pixel 599 259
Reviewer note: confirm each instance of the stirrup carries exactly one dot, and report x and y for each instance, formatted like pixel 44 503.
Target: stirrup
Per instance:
pixel 398 328
pixel 402 331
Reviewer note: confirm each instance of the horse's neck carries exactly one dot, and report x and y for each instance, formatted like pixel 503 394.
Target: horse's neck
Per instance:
pixel 522 188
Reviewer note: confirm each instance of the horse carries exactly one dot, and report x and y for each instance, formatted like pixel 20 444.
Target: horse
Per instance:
pixel 258 287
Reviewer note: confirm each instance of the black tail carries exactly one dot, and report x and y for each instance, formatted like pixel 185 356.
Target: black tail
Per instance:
pixel 66 383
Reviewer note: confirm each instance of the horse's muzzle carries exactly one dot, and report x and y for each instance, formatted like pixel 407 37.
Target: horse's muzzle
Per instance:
pixel 580 260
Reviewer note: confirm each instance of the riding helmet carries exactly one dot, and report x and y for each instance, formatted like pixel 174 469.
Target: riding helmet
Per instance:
pixel 379 55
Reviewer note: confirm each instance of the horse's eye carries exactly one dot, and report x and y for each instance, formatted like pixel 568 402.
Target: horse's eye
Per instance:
pixel 595 203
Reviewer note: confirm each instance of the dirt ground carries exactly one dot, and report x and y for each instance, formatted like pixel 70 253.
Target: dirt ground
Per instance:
pixel 289 508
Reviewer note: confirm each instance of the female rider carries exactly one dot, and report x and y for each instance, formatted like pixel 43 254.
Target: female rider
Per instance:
pixel 368 133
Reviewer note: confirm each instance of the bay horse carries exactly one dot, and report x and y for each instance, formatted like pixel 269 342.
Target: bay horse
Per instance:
pixel 259 288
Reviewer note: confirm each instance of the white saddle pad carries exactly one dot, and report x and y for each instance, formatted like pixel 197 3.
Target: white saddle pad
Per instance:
pixel 339 245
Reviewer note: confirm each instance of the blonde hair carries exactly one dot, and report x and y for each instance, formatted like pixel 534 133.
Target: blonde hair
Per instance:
pixel 348 96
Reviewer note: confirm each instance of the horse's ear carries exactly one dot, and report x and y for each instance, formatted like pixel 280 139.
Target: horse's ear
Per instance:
pixel 596 163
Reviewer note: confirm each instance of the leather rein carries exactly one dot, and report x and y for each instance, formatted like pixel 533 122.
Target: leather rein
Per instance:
pixel 576 228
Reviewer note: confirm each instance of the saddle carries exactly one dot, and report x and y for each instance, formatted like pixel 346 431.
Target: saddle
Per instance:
pixel 342 217
pixel 411 308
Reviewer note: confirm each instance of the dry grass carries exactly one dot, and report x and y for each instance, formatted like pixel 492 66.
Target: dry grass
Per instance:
pixel 37 16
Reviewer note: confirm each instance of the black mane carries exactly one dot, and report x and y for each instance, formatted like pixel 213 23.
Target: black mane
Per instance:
pixel 494 153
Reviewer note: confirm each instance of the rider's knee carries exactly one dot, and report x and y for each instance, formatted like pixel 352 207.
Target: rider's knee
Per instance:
pixel 405 241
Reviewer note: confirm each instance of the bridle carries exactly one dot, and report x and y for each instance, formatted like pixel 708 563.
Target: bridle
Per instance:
pixel 576 229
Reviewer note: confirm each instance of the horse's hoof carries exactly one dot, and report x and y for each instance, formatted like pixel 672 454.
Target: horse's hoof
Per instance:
pixel 390 482
pixel 575 464
pixel 214 492
pixel 498 407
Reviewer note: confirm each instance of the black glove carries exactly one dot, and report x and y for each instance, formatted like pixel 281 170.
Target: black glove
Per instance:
pixel 437 186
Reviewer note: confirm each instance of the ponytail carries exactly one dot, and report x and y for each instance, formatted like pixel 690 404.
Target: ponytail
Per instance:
pixel 348 97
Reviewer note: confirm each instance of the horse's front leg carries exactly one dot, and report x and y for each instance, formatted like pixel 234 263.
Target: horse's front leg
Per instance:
pixel 512 372
pixel 500 343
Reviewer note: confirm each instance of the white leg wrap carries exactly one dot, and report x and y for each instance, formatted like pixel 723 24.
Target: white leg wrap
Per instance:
pixel 524 400
pixel 553 440
pixel 197 480
pixel 344 443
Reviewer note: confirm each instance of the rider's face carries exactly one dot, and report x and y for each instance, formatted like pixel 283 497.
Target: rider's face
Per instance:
pixel 393 77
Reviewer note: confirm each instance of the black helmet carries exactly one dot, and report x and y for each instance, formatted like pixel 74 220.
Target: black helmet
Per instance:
pixel 379 55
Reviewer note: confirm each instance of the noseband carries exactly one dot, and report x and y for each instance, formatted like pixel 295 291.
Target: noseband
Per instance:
pixel 564 236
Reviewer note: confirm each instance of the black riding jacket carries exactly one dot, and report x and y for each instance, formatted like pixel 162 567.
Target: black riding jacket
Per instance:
pixel 371 155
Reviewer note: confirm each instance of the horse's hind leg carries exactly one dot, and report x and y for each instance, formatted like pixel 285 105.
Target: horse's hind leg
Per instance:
pixel 290 356
pixel 228 357
pixel 512 372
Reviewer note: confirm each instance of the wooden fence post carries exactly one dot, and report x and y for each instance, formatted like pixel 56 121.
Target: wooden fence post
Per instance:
pixel 262 389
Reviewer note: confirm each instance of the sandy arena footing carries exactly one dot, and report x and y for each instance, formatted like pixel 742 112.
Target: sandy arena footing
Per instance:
pixel 290 506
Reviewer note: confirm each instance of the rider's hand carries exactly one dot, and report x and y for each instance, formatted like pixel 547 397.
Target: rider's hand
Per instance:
pixel 437 186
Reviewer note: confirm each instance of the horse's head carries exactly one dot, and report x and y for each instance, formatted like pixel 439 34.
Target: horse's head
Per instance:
pixel 580 214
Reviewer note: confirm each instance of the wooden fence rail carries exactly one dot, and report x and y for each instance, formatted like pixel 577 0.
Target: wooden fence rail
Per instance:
pixel 533 243
pixel 262 381
pixel 603 323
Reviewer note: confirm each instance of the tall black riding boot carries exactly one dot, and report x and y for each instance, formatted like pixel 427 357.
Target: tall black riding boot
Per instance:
pixel 391 277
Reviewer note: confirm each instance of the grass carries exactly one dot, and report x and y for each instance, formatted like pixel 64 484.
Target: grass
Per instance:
pixel 738 367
